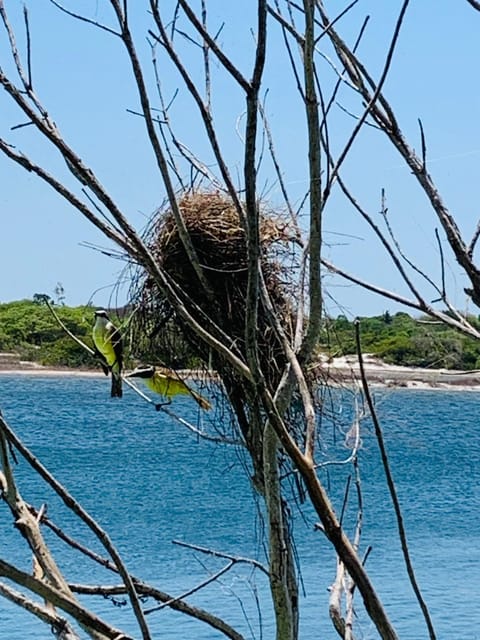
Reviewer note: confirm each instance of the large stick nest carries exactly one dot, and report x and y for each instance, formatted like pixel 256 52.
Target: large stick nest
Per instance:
pixel 219 239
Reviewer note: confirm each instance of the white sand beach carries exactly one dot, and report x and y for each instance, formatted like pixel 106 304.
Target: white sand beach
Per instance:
pixel 379 373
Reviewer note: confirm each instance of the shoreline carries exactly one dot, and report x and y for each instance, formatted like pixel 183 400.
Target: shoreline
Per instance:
pixel 51 372
pixel 342 370
pixel 380 374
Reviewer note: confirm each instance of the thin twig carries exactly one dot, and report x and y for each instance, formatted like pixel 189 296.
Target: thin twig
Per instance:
pixel 371 102
pixel 222 554
pixel 214 47
pixel 465 328
pixel 67 330
pixel 335 20
pixel 350 587
pixel 442 264
pixel 391 486
pixel 29 48
pixel 206 60
pixel 474 241
pixel 194 589
pixel 423 146
pixel 78 16
pixel 401 253
pixel 201 434
pixel 345 500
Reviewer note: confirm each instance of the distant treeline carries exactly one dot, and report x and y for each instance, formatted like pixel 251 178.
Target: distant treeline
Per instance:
pixel 403 340
pixel 28 328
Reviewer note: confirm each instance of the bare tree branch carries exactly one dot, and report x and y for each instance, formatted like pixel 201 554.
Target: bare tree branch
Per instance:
pixel 386 120
pixel 78 16
pixel 372 100
pixel 475 4
pixel 56 597
pixel 72 504
pixel 194 589
pixel 315 186
pixel 203 108
pixel 61 626
pixel 141 587
pixel 251 203
pixel 159 155
pixel 224 60
pixel 391 488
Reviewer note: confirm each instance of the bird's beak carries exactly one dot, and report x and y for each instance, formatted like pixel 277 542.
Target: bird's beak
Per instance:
pixel 132 374
pixel 140 372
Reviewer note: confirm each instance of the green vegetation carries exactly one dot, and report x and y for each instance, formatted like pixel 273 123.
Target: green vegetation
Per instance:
pixel 403 340
pixel 28 328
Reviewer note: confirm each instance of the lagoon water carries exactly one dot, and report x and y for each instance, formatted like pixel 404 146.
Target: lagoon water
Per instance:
pixel 148 481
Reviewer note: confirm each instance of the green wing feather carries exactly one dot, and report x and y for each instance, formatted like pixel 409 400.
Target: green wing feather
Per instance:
pixel 168 387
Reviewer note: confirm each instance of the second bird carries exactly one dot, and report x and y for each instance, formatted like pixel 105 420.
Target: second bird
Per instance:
pixel 167 383
pixel 108 342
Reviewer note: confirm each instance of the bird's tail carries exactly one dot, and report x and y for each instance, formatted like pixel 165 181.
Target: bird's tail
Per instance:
pixel 116 385
pixel 203 402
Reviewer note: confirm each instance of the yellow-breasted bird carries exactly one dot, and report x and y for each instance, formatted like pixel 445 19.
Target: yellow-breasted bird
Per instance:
pixel 108 343
pixel 167 384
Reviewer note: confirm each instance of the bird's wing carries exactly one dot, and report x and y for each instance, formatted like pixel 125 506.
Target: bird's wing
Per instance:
pixel 115 338
pixel 168 386
pixel 101 358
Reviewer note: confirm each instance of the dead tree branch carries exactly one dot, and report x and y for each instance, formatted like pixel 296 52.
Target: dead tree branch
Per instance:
pixel 52 594
pixel 72 504
pixel 391 488
pixel 141 587
pixel 60 626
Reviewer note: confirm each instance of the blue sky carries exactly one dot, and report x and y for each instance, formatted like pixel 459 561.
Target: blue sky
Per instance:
pixel 82 76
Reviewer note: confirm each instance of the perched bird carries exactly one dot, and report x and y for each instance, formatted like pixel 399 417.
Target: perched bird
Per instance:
pixel 167 384
pixel 108 343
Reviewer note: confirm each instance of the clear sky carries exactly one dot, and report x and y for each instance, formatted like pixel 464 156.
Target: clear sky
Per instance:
pixel 82 76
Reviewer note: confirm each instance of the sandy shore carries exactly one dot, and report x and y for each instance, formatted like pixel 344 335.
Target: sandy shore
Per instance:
pixel 48 371
pixel 338 371
pixel 381 374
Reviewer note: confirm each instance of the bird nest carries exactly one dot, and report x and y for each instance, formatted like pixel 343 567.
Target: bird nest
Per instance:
pixel 219 240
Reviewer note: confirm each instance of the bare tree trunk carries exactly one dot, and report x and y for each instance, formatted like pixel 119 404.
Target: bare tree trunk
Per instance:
pixel 283 583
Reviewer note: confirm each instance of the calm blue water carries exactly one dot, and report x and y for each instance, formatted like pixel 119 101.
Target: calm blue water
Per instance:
pixel 148 481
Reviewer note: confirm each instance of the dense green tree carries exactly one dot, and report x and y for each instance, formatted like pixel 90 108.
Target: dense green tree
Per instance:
pixel 29 328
